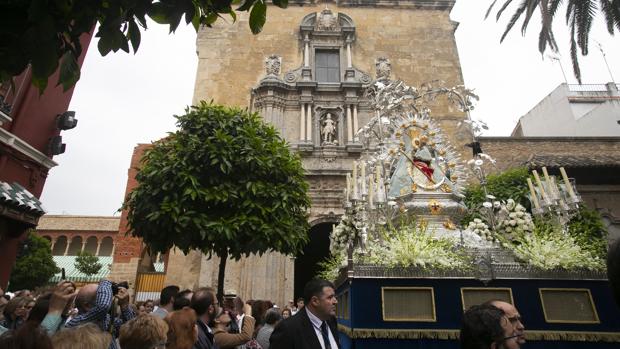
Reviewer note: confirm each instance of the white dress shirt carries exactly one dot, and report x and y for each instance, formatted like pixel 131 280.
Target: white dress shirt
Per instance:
pixel 316 323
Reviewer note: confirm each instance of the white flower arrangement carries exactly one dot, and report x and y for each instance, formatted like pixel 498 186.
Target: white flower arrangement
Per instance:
pixel 556 250
pixel 513 221
pixel 410 247
pixel 480 228
pixel 342 235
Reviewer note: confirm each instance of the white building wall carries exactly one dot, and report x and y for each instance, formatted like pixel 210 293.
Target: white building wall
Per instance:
pixel 574 111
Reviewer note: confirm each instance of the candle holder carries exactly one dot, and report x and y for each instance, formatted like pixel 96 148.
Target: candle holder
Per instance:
pixel 555 201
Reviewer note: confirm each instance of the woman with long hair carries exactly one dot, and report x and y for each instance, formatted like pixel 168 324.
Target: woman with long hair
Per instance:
pixel 182 330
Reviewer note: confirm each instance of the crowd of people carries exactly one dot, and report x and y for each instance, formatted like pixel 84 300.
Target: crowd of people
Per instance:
pixel 101 316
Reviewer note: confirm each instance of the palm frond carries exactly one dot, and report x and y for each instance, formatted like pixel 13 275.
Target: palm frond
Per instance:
pixel 489 9
pixel 611 12
pixel 531 7
pixel 584 16
pixel 573 50
pixel 515 17
pixel 501 9
pixel 546 33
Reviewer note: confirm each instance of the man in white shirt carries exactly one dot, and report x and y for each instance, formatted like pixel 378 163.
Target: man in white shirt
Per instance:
pixel 314 326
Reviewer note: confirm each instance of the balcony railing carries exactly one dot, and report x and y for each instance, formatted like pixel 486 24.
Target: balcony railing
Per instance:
pixel 588 88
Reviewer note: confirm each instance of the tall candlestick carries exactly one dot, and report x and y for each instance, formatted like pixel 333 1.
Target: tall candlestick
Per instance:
pixel 533 193
pixel 354 180
pixel 569 187
pixel 540 186
pixel 363 177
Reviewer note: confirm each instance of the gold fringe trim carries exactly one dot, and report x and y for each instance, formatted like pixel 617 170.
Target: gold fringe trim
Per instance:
pixel 574 336
pixel 399 333
pixel 445 334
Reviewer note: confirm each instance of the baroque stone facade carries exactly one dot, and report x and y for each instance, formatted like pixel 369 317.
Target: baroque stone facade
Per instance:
pixel 306 74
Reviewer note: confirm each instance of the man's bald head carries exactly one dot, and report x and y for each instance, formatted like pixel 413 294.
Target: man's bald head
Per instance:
pixel 86 297
pixel 513 316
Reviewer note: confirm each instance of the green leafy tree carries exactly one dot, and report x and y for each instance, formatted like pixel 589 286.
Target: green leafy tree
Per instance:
pixel 87 263
pixel 579 17
pixel 224 183
pixel 46 34
pixel 34 265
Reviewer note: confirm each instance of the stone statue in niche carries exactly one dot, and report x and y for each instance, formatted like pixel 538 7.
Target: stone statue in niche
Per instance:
pixel 273 64
pixel 327 21
pixel 328 130
pixel 383 68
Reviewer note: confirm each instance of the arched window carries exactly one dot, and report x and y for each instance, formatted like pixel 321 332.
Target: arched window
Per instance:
pixel 106 246
pixel 60 246
pixel 75 247
pixel 91 245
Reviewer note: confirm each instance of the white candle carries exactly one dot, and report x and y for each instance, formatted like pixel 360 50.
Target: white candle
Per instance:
pixel 533 193
pixel 540 186
pixel 569 187
pixel 354 180
pixel 550 191
pixel 363 177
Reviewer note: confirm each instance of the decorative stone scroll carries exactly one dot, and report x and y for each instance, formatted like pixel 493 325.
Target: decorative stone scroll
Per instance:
pixel 327 21
pixel 383 68
pixel 273 64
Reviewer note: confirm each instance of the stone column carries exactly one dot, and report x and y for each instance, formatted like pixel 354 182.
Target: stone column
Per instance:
pixel 355 127
pixel 302 123
pixel 98 247
pixel 53 244
pixel 83 246
pixel 306 51
pixel 68 244
pixel 309 123
pixel 349 124
pixel 349 61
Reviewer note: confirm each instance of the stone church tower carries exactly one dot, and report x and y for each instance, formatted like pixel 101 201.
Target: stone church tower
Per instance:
pixel 305 73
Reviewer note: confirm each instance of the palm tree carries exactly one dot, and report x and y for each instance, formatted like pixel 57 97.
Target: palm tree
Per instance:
pixel 579 17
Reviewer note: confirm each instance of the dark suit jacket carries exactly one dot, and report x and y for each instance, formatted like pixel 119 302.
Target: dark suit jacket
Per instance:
pixel 297 332
pixel 205 339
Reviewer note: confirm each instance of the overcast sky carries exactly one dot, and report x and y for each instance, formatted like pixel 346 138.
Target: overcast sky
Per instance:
pixel 124 99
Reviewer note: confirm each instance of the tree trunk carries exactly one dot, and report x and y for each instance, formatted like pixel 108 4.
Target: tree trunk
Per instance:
pixel 220 276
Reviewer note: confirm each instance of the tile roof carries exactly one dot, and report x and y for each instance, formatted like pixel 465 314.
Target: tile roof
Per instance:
pixel 574 161
pixel 17 197
pixel 71 272
pixel 89 223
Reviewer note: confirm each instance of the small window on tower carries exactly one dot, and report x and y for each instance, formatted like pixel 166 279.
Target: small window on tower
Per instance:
pixel 327 65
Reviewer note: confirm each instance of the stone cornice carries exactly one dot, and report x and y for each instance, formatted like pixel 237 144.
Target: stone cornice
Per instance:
pixel 417 4
pixel 26 149
pixel 550 139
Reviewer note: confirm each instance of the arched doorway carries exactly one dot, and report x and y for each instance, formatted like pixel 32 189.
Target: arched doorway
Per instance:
pixel 317 250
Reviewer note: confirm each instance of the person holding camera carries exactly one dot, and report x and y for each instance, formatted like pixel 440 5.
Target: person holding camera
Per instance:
pixel 96 303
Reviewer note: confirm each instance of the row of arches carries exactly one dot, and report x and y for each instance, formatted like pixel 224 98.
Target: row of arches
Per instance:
pixel 73 245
